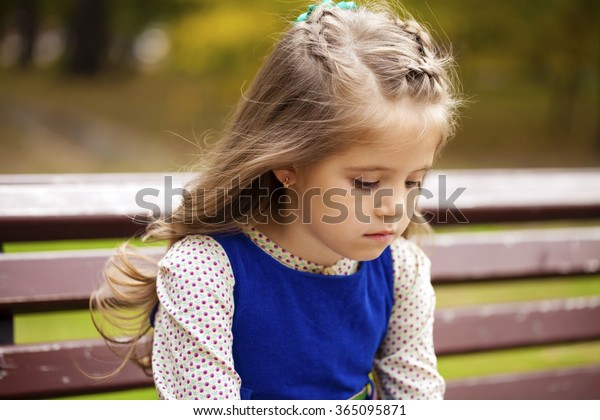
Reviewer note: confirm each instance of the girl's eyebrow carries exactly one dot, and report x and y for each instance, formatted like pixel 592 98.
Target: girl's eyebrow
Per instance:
pixel 370 168
pixel 424 168
pixel 382 168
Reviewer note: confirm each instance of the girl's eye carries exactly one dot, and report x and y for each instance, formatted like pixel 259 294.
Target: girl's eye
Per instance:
pixel 358 183
pixel 413 184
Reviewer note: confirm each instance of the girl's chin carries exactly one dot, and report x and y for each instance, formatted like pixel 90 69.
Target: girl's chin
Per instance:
pixel 372 253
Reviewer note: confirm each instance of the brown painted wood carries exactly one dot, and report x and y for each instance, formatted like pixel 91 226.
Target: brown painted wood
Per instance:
pixel 81 207
pixel 514 253
pixel 68 282
pixel 90 178
pixel 24 229
pixel 53 369
pixel 32 282
pixel 487 327
pixel 46 207
pixel 78 206
pixel 580 383
pixel 44 281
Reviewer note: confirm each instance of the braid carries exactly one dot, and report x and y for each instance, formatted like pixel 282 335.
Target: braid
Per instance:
pixel 418 34
pixel 349 55
pixel 426 74
pixel 318 43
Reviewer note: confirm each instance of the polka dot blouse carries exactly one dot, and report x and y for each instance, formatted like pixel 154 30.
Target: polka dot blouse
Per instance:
pixel 192 353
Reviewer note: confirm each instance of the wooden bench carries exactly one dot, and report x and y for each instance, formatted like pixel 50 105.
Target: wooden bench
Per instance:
pixel 51 207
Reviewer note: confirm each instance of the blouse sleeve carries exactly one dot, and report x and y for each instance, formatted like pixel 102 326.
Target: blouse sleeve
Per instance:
pixel 406 364
pixel 192 349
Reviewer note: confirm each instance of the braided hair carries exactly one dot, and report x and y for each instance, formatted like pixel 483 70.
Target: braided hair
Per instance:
pixel 360 54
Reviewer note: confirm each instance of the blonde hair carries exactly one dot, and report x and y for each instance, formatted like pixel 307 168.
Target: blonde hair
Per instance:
pixel 306 102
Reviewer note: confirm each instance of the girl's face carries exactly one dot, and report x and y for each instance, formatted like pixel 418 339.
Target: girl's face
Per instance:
pixel 345 199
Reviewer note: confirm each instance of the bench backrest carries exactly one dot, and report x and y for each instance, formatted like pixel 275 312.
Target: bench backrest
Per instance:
pixel 100 206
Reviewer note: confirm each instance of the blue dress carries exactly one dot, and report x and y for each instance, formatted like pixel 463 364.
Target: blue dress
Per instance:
pixel 300 335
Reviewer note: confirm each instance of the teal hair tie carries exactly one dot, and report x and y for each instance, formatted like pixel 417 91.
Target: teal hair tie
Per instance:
pixel 345 5
pixel 305 15
pixel 302 17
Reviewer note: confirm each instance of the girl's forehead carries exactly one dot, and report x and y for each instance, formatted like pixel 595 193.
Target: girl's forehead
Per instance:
pixel 387 154
pixel 399 126
pixel 396 152
pixel 392 141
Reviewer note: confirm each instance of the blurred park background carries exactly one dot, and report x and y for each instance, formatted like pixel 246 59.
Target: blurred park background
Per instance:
pixel 138 85
pixel 145 85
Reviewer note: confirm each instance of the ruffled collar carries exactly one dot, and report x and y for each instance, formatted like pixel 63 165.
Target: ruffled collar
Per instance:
pixel 344 266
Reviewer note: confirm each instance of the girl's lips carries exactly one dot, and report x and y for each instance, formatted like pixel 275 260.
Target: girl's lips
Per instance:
pixel 382 237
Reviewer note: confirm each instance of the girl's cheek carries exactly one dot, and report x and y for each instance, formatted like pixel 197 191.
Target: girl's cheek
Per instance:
pixel 364 209
pixel 336 209
pixel 350 207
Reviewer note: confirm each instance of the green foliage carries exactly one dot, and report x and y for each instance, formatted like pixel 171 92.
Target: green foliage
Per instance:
pixel 219 40
pixel 228 37
pixel 524 359
pixel 131 16
pixel 518 290
pixel 130 394
pixel 66 245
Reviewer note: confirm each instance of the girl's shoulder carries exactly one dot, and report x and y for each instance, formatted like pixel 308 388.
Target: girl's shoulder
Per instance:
pixel 407 256
pixel 196 251
pixel 407 247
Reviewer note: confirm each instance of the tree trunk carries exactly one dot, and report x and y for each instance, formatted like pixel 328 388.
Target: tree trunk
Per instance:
pixel 88 37
pixel 27 23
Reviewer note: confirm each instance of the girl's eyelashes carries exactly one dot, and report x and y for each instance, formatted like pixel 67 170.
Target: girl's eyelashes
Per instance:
pixel 413 184
pixel 363 185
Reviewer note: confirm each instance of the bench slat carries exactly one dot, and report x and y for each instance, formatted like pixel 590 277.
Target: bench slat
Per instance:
pixel 497 326
pixel 581 383
pixel 124 225
pixel 70 276
pixel 55 228
pixel 514 253
pixel 489 196
pixel 51 370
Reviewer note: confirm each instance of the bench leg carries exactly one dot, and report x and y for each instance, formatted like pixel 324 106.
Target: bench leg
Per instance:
pixel 7 332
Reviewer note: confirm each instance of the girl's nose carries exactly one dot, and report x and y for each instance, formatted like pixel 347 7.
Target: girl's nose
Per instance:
pixel 390 203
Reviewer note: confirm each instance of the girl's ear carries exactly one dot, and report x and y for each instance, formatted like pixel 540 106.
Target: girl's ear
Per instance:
pixel 285 174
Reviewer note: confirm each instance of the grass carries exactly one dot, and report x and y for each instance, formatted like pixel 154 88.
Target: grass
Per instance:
pixel 519 360
pixel 518 290
pixel 130 394
pixel 69 245
pixel 161 131
pixel 43 115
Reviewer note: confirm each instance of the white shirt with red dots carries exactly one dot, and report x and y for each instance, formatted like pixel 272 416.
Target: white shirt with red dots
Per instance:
pixel 192 350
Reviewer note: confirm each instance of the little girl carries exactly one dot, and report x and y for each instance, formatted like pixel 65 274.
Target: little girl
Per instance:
pixel 289 273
